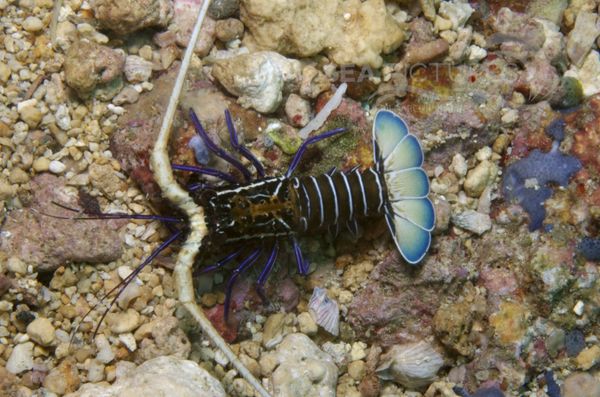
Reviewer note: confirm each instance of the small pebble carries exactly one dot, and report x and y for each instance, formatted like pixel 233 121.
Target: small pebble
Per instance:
pixel 121 323
pixel 30 114
pixel 41 331
pixel 127 95
pixel 574 342
pixel 129 341
pixel 4 72
pixel 16 265
pixel 480 177
pixel 18 176
pixel 588 357
pixel 459 165
pixel 105 353
pixel 56 167
pixel 95 371
pixel 307 324
pixel 221 359
pixel 356 369
pixel 297 110
pixel 146 52
pixel 273 330
pixel 229 29
pixel 357 352
pixel 21 358
pixel 33 24
pixel 41 164
pixel 578 308
pixel 485 153
pixel 220 9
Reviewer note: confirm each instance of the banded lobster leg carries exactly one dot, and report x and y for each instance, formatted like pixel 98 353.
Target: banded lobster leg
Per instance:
pixel 243 266
pixel 216 149
pixel 120 288
pixel 260 170
pixel 266 271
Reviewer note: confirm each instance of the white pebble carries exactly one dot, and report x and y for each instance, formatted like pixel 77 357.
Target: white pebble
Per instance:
pixel 578 308
pixel 459 165
pixel 118 110
pixel 21 358
pixel 476 53
pixel 56 167
pixel 63 119
pixel 124 271
pixel 485 153
pixel 27 103
pixel 95 371
pixel 221 359
pixel 358 351
pixel 33 24
pixel 129 341
pixel 105 353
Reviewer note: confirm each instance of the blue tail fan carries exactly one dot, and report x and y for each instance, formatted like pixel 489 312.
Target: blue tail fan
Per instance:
pixel 409 211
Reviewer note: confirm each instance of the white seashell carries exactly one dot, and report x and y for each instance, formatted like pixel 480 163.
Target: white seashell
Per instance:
pixel 137 69
pixel 413 365
pixel 473 221
pixel 324 311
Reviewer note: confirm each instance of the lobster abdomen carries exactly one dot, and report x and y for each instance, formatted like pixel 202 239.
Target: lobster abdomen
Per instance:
pixel 334 199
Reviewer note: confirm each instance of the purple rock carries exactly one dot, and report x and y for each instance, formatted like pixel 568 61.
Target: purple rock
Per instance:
pixel 574 342
pixel 542 168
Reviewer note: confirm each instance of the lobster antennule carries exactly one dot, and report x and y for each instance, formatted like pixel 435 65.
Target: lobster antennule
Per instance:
pixel 410 215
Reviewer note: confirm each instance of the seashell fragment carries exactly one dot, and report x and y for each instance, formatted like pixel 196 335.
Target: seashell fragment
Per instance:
pixel 325 311
pixel 137 69
pixel 413 365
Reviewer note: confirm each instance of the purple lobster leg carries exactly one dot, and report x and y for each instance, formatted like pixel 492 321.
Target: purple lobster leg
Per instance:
pixel 264 274
pixel 240 148
pixel 310 141
pixel 246 263
pixel 219 264
pixel 303 265
pixel 197 186
pixel 123 284
pixel 205 171
pixel 217 150
pixel 117 215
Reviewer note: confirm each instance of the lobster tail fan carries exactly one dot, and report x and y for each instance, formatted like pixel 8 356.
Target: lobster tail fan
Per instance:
pixel 409 212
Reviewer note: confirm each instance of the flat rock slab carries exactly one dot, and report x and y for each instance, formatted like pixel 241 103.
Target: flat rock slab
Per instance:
pixel 46 242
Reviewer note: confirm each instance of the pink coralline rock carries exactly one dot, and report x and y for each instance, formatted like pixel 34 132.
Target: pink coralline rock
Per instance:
pixel 538 81
pixel 46 242
pixel 399 301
